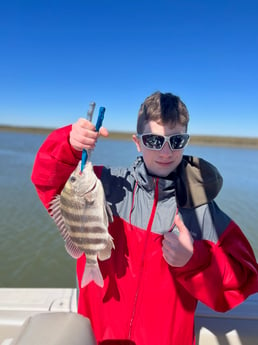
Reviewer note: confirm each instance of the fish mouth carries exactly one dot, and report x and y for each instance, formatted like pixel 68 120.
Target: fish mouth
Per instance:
pixel 94 185
pixel 82 192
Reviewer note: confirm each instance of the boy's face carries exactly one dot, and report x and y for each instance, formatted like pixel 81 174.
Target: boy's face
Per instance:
pixel 160 162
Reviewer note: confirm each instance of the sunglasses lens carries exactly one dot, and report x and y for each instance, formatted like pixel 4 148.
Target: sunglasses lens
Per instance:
pixel 179 141
pixel 153 141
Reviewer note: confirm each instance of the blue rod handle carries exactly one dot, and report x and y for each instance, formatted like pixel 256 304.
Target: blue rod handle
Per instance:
pixel 84 159
pixel 100 119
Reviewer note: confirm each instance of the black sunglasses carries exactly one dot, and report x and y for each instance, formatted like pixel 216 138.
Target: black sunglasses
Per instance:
pixel 156 142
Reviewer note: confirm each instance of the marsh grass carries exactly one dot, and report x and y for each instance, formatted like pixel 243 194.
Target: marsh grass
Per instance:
pixel 195 139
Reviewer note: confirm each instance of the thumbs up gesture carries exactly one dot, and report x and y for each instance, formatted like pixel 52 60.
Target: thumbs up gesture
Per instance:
pixel 178 247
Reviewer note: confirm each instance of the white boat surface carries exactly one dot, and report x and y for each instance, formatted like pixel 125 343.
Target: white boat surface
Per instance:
pixel 48 316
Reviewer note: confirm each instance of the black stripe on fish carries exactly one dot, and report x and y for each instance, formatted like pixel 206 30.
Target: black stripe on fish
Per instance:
pixel 90 253
pixel 67 201
pixel 80 217
pixel 94 228
pixel 91 261
pixel 87 240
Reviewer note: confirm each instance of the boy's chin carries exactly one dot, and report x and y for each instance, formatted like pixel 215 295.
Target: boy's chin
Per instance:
pixel 161 173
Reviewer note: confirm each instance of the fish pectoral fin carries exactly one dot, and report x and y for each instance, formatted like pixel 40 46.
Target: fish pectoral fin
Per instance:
pixel 109 213
pixel 92 273
pixel 105 253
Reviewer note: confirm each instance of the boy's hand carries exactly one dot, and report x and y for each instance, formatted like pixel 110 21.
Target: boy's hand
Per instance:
pixel 178 247
pixel 84 136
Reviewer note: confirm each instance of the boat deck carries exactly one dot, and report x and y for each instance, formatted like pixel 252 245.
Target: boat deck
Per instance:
pixel 236 327
pixel 16 305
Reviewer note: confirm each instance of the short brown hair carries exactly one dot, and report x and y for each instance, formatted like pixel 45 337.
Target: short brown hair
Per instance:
pixel 164 108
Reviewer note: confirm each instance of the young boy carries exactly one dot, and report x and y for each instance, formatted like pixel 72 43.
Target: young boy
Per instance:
pixel 173 245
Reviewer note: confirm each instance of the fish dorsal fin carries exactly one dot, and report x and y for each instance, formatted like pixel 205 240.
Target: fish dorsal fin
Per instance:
pixel 55 213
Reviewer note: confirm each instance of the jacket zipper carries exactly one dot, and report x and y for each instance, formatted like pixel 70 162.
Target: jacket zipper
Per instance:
pixel 148 230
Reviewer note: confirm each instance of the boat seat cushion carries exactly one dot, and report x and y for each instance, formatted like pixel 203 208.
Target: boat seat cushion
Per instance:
pixel 56 328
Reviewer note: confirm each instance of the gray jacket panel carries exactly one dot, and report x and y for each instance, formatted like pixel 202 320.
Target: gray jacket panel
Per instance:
pixel 130 194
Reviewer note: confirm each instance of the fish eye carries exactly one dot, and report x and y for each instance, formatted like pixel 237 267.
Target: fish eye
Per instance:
pixel 72 179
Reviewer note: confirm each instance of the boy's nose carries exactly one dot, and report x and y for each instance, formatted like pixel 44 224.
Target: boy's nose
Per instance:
pixel 166 149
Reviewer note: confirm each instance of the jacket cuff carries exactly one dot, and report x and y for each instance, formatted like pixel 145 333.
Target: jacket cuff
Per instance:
pixel 64 152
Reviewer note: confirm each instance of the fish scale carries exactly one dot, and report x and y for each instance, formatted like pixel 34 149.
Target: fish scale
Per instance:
pixel 82 216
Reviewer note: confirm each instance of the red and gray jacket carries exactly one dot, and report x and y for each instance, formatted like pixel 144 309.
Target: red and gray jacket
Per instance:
pixel 143 298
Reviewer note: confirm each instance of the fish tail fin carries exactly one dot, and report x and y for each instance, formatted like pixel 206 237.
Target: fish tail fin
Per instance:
pixel 92 273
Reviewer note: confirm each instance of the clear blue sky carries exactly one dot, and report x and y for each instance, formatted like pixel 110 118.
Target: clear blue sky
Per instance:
pixel 58 56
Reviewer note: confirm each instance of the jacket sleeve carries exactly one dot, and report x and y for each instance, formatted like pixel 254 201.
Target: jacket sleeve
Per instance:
pixel 54 163
pixel 221 275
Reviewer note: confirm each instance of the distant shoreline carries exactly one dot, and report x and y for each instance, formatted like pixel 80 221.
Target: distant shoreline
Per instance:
pixel 195 139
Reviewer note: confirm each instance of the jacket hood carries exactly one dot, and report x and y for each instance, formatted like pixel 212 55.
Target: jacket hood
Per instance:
pixel 197 182
pixel 148 181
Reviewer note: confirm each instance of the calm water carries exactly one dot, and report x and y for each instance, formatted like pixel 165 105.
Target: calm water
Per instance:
pixel 31 250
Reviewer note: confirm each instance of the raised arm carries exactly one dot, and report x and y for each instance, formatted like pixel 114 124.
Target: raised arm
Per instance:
pixel 59 155
pixel 221 274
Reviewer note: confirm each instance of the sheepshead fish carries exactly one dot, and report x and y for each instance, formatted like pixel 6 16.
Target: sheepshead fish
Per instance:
pixel 82 217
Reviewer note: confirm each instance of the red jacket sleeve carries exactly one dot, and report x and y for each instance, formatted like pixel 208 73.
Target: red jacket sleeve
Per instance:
pixel 221 275
pixel 54 163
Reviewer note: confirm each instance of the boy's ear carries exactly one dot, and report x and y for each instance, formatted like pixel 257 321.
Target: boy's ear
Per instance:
pixel 137 142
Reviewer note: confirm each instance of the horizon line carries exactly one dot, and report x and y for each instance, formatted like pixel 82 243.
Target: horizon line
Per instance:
pixel 201 139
